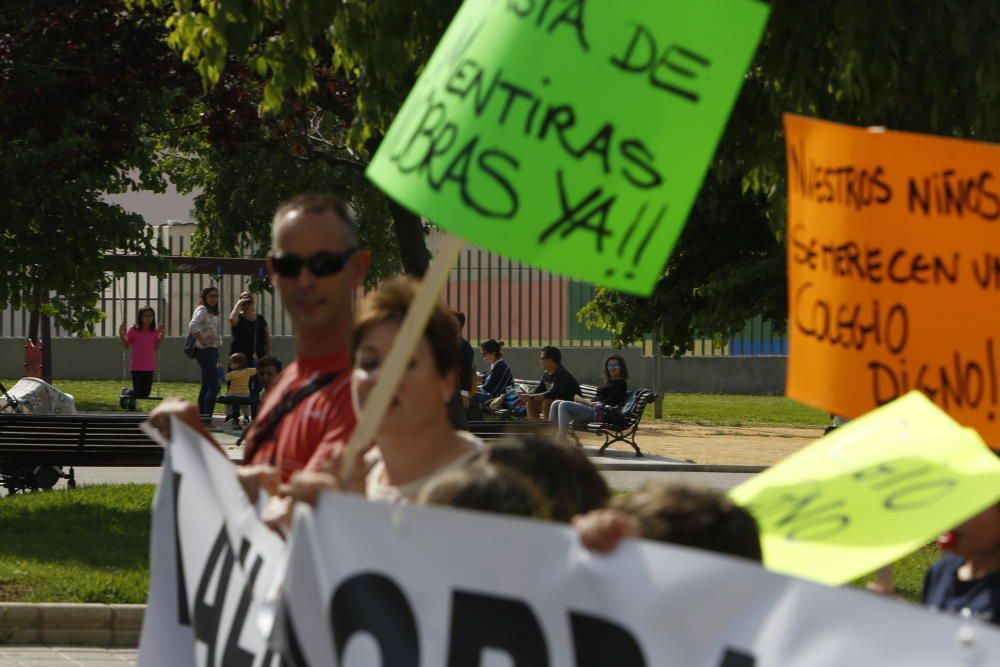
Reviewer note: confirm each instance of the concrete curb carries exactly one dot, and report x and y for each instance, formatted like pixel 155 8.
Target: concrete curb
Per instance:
pixel 106 625
pixel 651 466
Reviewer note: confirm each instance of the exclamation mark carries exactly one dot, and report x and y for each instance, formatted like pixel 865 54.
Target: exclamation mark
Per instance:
pixel 649 235
pixel 643 243
pixel 631 229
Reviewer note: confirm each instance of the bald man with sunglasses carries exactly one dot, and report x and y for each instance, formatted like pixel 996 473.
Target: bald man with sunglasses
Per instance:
pixel 317 266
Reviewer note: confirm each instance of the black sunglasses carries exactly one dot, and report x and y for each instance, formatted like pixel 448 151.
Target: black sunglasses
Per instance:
pixel 323 263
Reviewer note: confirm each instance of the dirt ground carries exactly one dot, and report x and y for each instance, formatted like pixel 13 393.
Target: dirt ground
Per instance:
pixel 751 445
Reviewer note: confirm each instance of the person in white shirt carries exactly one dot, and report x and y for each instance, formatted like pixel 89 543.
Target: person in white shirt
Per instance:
pixel 205 328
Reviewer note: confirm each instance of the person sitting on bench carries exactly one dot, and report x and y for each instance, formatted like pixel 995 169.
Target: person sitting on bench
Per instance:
pixel 557 384
pixel 497 378
pixel 609 395
pixel 238 378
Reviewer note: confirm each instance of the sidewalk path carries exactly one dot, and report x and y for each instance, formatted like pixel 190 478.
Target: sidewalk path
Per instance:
pixel 75 656
pixel 620 467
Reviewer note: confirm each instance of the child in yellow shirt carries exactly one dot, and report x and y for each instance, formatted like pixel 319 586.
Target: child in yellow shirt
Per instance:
pixel 238 378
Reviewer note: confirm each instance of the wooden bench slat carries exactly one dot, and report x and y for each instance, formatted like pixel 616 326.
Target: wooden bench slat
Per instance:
pixel 74 440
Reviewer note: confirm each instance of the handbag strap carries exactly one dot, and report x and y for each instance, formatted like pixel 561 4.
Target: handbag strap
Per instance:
pixel 265 428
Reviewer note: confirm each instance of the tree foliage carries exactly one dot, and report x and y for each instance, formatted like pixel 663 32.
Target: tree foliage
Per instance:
pixel 928 66
pixel 242 187
pixel 245 165
pixel 82 88
pixel 925 66
pixel 334 72
pixel 719 274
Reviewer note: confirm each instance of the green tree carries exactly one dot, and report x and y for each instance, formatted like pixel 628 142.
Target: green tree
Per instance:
pixel 926 66
pixel 82 88
pixel 348 65
pixel 241 187
pixel 722 273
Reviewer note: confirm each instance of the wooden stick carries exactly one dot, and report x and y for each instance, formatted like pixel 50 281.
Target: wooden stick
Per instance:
pixel 407 339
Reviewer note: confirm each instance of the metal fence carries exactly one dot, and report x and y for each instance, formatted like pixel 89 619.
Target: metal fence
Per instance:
pixel 502 299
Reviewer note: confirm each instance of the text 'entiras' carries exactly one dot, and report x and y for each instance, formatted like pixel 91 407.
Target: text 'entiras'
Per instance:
pixel 474 128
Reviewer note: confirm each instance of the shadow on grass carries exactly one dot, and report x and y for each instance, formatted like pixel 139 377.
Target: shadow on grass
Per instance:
pixel 98 527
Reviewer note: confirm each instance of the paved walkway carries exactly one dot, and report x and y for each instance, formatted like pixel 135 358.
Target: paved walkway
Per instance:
pixel 620 467
pixel 77 656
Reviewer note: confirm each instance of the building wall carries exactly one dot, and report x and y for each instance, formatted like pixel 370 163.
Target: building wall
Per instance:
pixel 101 359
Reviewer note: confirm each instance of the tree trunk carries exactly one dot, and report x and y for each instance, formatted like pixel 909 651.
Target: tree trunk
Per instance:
pixel 33 318
pixel 411 238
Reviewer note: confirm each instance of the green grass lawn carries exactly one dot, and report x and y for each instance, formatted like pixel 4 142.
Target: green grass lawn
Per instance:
pixel 91 544
pixel 102 395
pixel 908 574
pixel 82 545
pixel 710 409
pixel 738 410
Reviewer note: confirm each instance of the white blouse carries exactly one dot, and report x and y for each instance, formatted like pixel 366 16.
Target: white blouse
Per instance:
pixel 207 325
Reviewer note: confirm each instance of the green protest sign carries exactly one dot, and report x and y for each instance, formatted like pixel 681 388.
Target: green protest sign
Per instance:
pixel 568 134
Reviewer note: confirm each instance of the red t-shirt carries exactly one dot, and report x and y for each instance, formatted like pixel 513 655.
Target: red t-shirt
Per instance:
pixel 326 417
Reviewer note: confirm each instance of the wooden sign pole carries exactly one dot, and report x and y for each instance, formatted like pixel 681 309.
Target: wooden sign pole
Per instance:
pixel 394 365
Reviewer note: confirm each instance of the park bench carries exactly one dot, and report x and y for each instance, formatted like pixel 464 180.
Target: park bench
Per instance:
pixel 35 448
pixel 495 429
pixel 588 391
pixel 632 409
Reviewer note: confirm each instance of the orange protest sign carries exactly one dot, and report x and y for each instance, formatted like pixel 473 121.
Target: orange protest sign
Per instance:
pixel 893 270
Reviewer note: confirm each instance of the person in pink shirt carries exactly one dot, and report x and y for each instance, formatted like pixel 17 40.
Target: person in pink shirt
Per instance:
pixel 144 338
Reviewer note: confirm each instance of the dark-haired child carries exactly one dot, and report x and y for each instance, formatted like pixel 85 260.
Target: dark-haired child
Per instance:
pixel 268 368
pixel 966 579
pixel 144 338
pixel 486 487
pixel 675 514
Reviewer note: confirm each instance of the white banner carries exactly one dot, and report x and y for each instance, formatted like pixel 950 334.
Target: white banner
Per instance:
pixel 211 563
pixel 373 584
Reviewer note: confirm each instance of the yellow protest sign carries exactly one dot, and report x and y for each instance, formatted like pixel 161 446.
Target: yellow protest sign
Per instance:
pixel 870 492
pixel 893 270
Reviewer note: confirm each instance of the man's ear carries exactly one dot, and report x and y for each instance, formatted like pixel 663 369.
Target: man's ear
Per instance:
pixel 362 262
pixel 269 267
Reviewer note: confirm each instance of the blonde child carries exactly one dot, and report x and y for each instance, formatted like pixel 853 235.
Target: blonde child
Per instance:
pixel 238 378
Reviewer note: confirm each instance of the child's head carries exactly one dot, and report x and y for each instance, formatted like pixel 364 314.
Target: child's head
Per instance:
pixel 567 479
pixel 486 487
pixel 699 518
pixel 237 361
pixel 145 318
pixel 267 371
pixel 978 538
